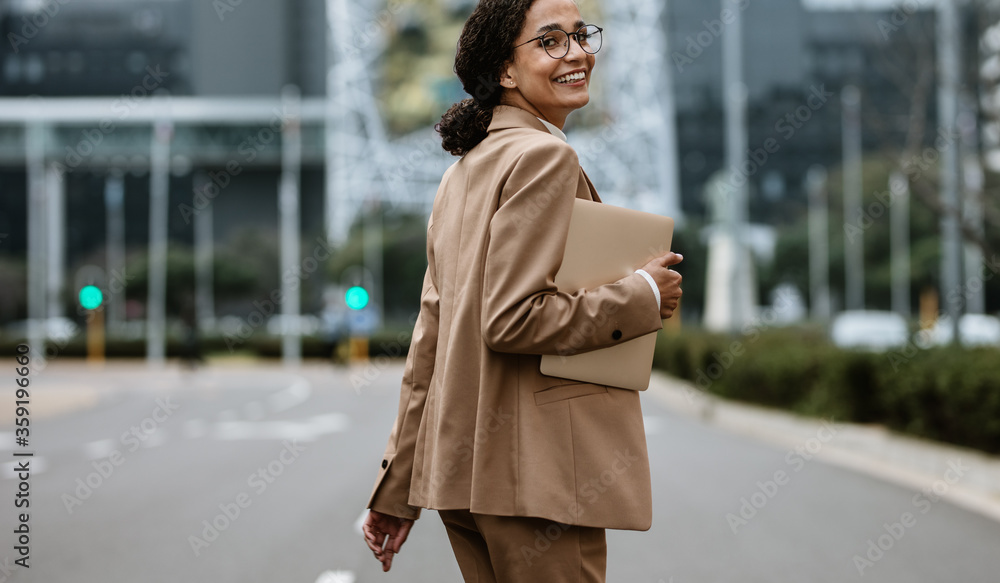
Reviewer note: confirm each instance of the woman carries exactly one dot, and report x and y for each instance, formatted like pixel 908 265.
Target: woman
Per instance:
pixel 526 470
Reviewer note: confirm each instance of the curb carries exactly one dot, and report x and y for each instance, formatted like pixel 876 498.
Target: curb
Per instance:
pixel 910 462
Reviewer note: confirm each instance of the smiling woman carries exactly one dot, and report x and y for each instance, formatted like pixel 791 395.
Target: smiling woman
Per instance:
pixel 526 470
pixel 525 65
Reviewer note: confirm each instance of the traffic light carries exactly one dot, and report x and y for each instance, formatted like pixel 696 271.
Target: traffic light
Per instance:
pixel 91 297
pixel 356 298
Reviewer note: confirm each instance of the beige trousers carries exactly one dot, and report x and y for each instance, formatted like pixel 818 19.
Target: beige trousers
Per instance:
pixel 516 549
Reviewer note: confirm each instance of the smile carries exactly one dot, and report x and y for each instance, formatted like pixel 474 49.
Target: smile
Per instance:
pixel 572 77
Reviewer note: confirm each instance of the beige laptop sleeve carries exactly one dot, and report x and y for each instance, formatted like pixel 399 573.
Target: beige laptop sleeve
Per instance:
pixel 605 244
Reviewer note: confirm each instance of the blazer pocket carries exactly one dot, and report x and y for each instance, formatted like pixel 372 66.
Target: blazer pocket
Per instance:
pixel 570 390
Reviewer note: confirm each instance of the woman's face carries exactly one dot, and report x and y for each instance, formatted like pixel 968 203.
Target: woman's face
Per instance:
pixel 535 81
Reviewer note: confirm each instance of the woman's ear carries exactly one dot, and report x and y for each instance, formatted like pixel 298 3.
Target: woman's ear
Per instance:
pixel 506 79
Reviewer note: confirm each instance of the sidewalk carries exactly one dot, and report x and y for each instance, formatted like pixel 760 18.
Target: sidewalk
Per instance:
pixel 909 462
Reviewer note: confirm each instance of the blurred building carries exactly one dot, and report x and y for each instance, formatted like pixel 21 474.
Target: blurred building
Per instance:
pixel 128 50
pixel 797 57
pixel 103 47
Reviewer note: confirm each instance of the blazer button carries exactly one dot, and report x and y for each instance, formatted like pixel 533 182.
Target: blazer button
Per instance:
pixel 617 334
pixel 385 464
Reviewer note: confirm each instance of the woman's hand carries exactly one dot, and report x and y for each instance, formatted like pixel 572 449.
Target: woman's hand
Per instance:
pixel 385 535
pixel 667 280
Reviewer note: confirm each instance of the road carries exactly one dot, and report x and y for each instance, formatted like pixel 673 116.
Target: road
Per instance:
pixel 252 473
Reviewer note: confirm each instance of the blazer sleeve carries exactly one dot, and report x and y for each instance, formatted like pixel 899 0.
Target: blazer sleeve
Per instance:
pixel 523 310
pixel 392 486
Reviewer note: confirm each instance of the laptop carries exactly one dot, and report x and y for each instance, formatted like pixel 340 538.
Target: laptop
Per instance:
pixel 605 244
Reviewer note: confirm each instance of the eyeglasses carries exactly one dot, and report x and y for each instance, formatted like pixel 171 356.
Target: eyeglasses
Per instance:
pixel 556 42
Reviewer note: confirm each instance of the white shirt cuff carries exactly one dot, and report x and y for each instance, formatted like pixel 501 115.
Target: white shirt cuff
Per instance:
pixel 652 284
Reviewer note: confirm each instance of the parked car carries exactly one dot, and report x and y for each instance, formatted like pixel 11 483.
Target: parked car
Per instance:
pixel 869 330
pixel 973 329
pixel 57 329
pixel 306 324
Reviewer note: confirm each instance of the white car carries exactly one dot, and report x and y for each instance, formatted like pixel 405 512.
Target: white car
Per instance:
pixel 869 330
pixel 59 329
pixel 973 329
pixel 305 325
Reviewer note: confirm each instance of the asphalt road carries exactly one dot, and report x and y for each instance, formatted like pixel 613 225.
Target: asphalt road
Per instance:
pixel 259 474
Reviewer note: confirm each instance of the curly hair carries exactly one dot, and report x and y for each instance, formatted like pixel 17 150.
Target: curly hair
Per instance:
pixel 484 47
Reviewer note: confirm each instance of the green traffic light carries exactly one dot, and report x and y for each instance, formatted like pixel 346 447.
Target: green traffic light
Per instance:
pixel 91 297
pixel 357 298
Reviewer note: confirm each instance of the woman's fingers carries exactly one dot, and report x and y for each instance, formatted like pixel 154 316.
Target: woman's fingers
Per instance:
pixel 384 535
pixel 672 259
pixel 401 534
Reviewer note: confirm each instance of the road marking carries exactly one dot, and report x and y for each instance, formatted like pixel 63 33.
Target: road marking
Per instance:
pixel 99 449
pixel 336 577
pixel 307 430
pixel 36 465
pixel 295 394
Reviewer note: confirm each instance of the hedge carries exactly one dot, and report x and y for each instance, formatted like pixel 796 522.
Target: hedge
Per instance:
pixel 949 394
pixel 386 343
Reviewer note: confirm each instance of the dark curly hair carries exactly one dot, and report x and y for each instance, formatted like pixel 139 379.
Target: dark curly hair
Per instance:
pixel 484 47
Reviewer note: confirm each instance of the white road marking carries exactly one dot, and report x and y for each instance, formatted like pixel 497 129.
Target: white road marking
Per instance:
pixel 336 577
pixel 99 449
pixel 306 430
pixel 295 394
pixel 36 465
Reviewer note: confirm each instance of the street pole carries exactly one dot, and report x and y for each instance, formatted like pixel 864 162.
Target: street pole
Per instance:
pixel 735 100
pixel 372 249
pixel 949 68
pixel 288 208
pixel 819 243
pixel 159 181
pixel 114 204
pixel 973 180
pixel 899 243
pixel 56 245
pixel 37 264
pixel 854 242
pixel 204 259
pixel 342 129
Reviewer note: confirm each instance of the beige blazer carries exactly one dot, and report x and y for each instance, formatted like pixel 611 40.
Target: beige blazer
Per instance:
pixel 479 426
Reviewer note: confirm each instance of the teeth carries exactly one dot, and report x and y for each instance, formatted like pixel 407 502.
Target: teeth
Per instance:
pixel 572 77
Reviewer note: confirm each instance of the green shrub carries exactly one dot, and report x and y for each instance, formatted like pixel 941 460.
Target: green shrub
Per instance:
pixel 948 394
